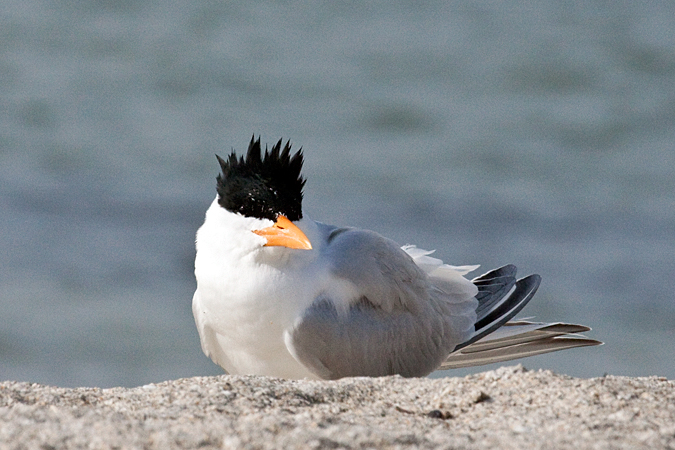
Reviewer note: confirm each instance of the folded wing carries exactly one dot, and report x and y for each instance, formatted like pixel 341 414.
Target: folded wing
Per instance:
pixel 399 322
pixel 412 314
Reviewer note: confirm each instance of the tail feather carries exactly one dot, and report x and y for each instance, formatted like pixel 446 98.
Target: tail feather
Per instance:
pixel 512 333
pixel 496 338
pixel 535 339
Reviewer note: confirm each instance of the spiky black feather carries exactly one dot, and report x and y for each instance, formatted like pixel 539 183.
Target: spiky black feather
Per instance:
pixel 262 186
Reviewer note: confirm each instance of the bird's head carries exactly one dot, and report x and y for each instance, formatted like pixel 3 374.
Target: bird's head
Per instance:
pixel 266 186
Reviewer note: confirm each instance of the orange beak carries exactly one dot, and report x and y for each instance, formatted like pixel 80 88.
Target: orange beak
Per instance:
pixel 283 233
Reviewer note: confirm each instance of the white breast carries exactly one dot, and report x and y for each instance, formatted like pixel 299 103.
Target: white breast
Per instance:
pixel 244 302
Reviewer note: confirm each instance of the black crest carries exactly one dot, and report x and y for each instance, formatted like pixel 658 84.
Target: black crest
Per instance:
pixel 262 186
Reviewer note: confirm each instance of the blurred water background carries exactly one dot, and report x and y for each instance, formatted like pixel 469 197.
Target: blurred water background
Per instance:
pixel 534 133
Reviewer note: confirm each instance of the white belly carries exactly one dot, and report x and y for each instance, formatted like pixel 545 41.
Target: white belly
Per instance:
pixel 243 332
pixel 272 360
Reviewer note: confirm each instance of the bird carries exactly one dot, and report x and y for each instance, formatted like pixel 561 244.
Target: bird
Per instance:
pixel 281 295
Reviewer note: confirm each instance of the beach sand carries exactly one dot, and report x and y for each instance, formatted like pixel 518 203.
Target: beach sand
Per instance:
pixel 509 408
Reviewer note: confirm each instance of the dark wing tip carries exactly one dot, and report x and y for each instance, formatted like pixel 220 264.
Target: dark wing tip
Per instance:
pixel 501 298
pixel 508 270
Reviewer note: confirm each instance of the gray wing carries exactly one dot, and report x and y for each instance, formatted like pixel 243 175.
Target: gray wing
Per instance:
pixel 398 323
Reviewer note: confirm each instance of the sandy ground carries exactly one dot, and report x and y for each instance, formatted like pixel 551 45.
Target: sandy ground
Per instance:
pixel 507 408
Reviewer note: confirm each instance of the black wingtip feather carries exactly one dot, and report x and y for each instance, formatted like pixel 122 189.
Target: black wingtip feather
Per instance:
pixel 525 288
pixel 508 270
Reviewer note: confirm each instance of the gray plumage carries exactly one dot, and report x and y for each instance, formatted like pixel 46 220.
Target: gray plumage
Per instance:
pixel 401 322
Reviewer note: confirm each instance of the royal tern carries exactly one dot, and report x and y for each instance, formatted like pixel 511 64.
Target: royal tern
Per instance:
pixel 281 295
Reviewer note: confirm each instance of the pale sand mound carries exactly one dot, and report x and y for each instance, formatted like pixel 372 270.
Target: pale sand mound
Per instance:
pixel 507 408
